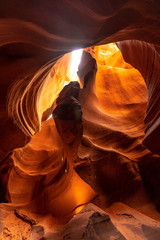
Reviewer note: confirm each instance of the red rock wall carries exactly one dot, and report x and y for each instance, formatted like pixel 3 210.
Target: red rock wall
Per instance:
pixel 33 34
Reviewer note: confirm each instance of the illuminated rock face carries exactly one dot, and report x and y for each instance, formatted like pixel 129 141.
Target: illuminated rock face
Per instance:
pixel 119 103
pixel 148 64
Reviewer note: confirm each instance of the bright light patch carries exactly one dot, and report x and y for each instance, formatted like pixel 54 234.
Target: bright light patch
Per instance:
pixel 76 58
pixel 49 117
pixel 78 209
pixel 108 50
pixel 65 83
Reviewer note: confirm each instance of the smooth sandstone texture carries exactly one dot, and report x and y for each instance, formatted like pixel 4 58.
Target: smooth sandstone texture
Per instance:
pixel 120 106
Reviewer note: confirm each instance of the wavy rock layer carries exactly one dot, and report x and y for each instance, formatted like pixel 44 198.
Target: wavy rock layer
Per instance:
pixel 28 42
pixel 114 102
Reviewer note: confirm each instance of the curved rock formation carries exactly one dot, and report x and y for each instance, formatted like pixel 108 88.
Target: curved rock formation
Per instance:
pixel 110 126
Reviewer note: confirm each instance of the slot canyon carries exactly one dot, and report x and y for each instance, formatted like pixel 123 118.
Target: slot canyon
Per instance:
pixel 80 119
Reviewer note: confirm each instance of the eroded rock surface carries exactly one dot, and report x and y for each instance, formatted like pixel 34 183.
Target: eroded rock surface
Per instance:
pixel 120 112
